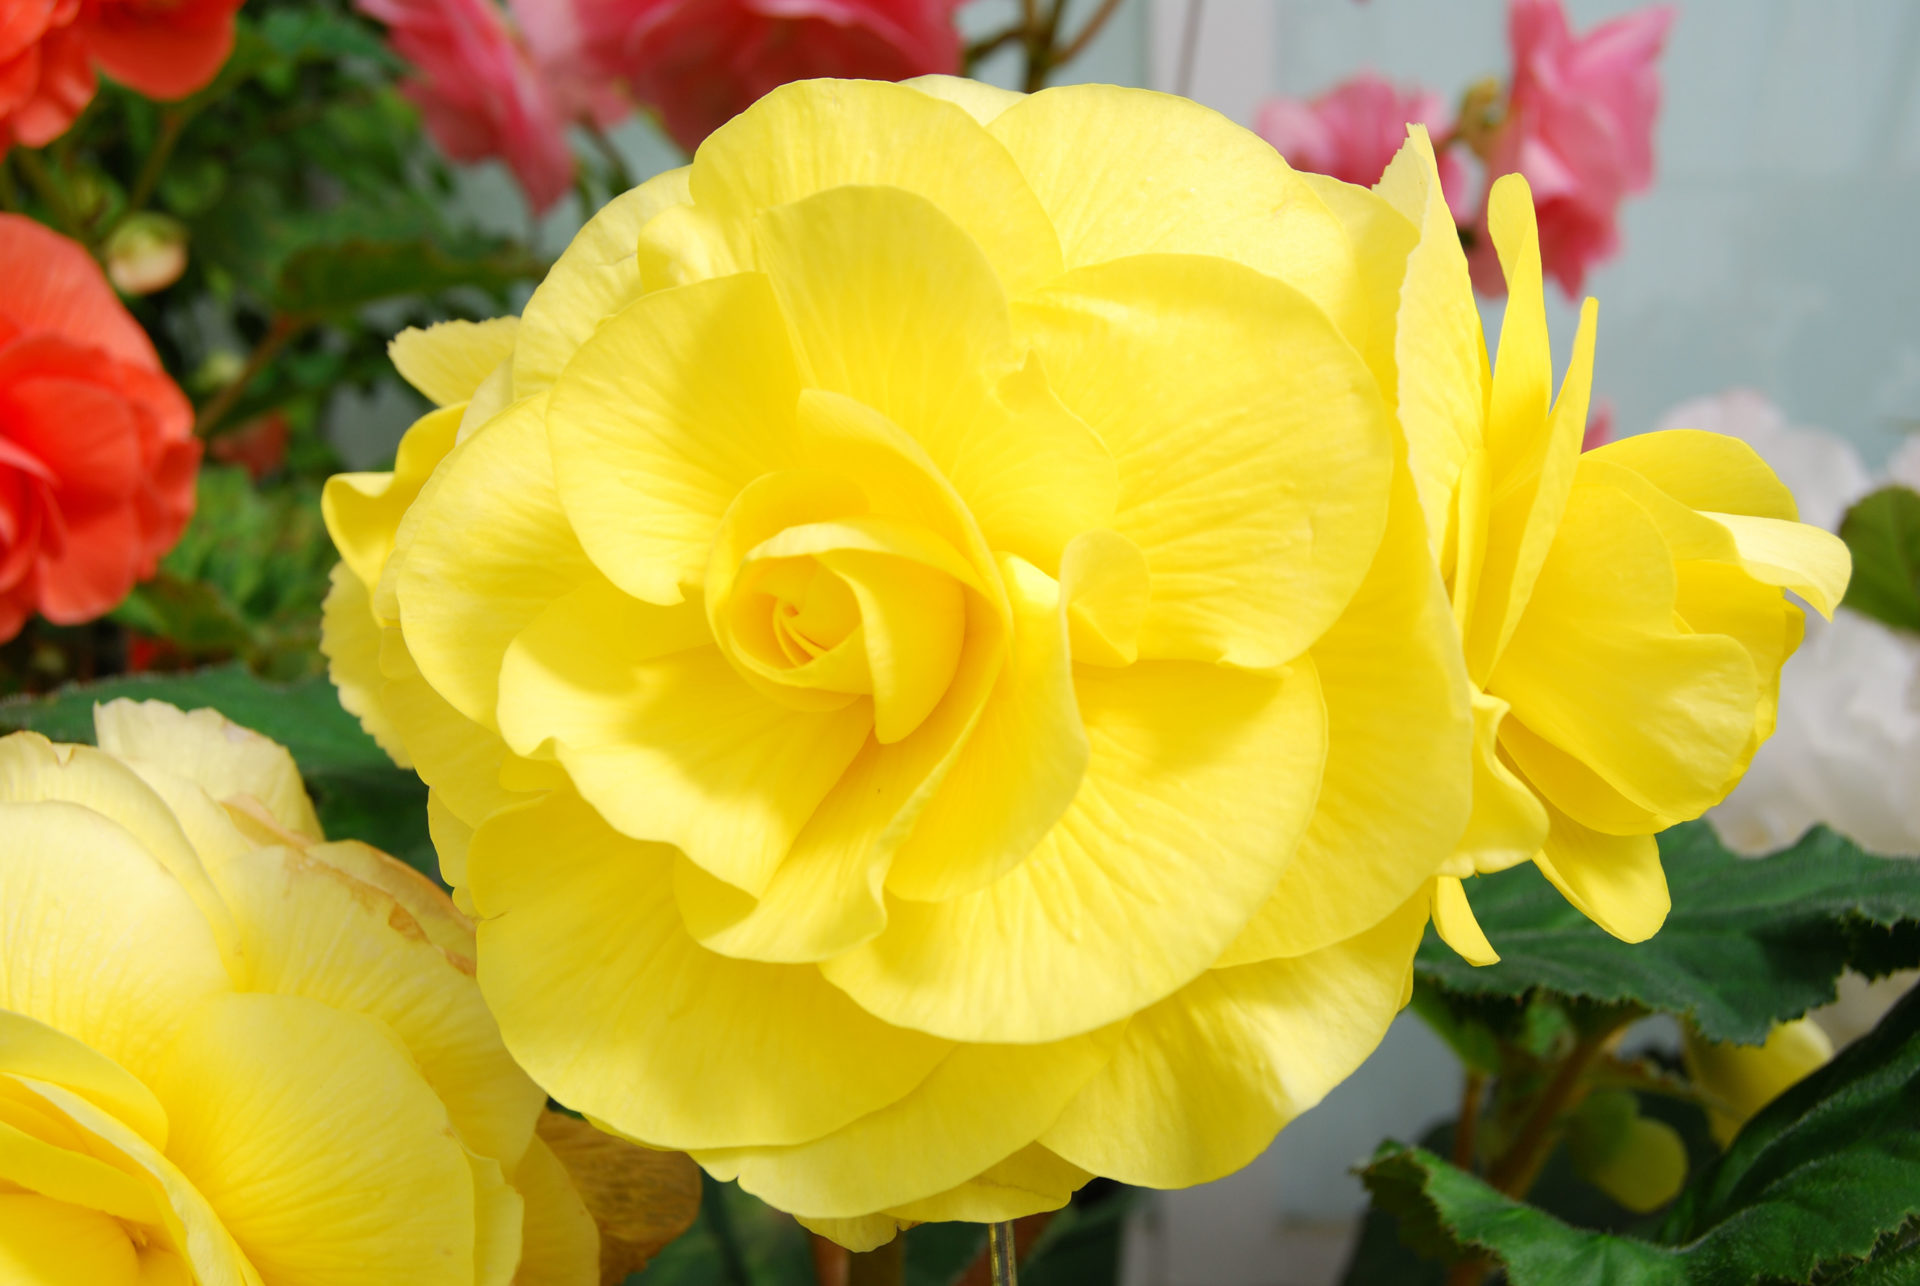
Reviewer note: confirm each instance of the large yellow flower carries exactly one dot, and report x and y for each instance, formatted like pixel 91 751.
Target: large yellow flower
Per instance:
pixel 233 1054
pixel 1620 611
pixel 929 671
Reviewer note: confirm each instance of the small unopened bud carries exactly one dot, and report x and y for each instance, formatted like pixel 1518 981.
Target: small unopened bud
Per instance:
pixel 1483 110
pixel 146 253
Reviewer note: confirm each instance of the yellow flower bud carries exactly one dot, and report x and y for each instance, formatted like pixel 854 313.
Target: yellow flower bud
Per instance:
pixel 1739 1080
pixel 930 672
pixel 233 1052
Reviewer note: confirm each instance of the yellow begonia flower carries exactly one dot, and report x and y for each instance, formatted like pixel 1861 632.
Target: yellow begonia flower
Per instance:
pixel 1739 1080
pixel 1620 611
pixel 930 672
pixel 234 1054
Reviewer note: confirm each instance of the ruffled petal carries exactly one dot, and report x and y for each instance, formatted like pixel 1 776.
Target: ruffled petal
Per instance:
pixel 596 276
pixel 1191 768
pixel 1709 471
pixel 1615 880
pixel 875 134
pixel 1600 667
pixel 604 998
pixel 979 1106
pixel 1398 787
pixel 448 361
pixel 219 756
pixel 673 406
pixel 119 977
pixel 1204 1079
pixel 664 738
pixel 1255 483
pixel 326 1155
pixel 490 550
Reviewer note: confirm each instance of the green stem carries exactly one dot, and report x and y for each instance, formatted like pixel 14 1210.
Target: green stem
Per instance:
pixel 1003 1254
pixel 9 194
pixel 277 337
pixel 1466 1125
pixel 986 46
pixel 1520 1164
pixel 172 121
pixel 41 180
pixel 713 1209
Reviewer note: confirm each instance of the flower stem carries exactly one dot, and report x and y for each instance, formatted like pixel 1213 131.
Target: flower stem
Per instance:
pixel 1079 43
pixel 1467 1124
pixel 1002 1254
pixel 278 334
pixel 172 122
pixel 42 181
pixel 713 1211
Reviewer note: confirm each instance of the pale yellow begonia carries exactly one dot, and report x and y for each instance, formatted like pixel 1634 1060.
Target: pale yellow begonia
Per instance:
pixel 925 652
pixel 1620 611
pixel 235 1054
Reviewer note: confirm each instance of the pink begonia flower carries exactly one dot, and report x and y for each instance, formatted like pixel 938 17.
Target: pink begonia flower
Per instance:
pixel 1599 426
pixel 1353 130
pixel 1580 126
pixel 699 63
pixel 483 93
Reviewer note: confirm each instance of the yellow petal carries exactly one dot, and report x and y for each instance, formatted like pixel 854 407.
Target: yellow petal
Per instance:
pixel 559 1244
pixel 858 1234
pixel 826 897
pixel 1127 172
pixel 1709 471
pixel 459 759
pixel 980 100
pixel 1454 921
pixel 50 1243
pixel 327 1156
pixel 1745 1078
pixel 1030 1181
pixel 311 929
pixel 1600 667
pixel 1204 1079
pixel 188 1227
pixel 1508 823
pixel 1522 386
pixel 1572 787
pixel 33 770
pixel 639 1199
pixel 498 1213
pixel 222 758
pixel 1531 475
pixel 1718 598
pixel 32 1049
pixel 604 998
pixel 672 407
pixel 598 275
pixel 40 1152
pixel 1398 785
pixel 1106 585
pixel 1614 880
pixel 981 1104
pixel 364 510
pixel 350 640
pixel 1812 563
pixel 866 133
pixel 1019 767
pixel 665 739
pixel 1255 485
pixel 449 360
pixel 101 942
pixel 492 548
pixel 1191 768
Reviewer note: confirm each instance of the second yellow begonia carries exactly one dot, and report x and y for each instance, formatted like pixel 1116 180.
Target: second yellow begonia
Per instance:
pixel 924 647
pixel 1621 611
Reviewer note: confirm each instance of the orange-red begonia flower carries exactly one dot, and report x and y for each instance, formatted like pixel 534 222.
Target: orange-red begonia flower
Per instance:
pixel 97 453
pixel 50 49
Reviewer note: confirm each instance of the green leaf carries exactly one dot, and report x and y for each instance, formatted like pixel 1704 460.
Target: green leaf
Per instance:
pixel 1748 943
pixel 1883 533
pixel 357 791
pixel 342 277
pixel 1819 1180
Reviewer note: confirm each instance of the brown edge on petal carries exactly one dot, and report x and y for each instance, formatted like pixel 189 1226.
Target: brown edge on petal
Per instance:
pixel 640 1199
